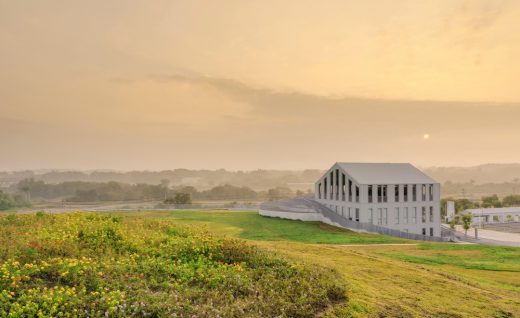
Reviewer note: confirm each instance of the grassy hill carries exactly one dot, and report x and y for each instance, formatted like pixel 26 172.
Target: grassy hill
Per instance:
pixel 94 265
pixel 191 263
pixel 413 279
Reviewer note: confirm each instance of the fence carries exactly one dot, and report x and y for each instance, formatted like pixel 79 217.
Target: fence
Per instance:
pixel 458 236
pixel 361 226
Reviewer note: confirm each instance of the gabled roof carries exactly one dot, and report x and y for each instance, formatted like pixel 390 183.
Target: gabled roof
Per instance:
pixel 385 173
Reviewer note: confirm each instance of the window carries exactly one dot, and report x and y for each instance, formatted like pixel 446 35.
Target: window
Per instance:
pixel 396 193
pixel 430 187
pixel 405 193
pixel 343 211
pixel 369 194
pixel 431 231
pixel 385 216
pixel 385 193
pixel 331 184
pixel 357 215
pixel 405 216
pixel 431 214
pixel 337 184
pixel 396 215
pixel 357 194
pixel 414 193
pixel 325 188
pixel 423 192
pixel 423 231
pixel 350 214
pixel 379 194
pixel 349 190
pixel 319 191
pixel 423 214
pixel 414 215
pixel 336 209
pixel 371 216
pixel 343 190
pixel 379 216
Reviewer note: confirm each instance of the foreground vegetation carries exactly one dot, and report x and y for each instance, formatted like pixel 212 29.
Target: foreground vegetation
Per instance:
pixel 167 264
pixel 94 265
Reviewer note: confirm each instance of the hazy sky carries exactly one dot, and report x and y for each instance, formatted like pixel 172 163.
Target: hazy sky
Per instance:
pixel 257 84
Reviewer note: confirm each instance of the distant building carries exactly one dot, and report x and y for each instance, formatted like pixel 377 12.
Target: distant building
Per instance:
pixel 494 215
pixel 392 195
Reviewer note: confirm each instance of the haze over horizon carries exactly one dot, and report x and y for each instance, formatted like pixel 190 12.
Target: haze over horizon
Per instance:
pixel 160 85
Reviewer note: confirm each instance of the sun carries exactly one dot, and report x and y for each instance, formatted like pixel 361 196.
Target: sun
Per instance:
pixel 426 136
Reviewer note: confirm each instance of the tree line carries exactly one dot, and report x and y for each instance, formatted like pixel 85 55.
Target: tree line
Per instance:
pixel 10 201
pixel 81 191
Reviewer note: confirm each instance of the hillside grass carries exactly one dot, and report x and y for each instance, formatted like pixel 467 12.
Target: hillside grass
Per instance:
pixel 252 226
pixel 418 280
pixel 144 265
pixel 398 280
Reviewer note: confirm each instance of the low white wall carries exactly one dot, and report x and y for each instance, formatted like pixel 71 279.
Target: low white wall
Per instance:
pixel 302 216
pixel 308 216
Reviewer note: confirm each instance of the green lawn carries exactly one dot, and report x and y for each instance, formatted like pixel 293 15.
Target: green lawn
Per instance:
pixel 252 226
pixel 422 280
pixel 468 256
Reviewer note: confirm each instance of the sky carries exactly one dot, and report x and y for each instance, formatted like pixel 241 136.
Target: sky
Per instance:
pixel 242 85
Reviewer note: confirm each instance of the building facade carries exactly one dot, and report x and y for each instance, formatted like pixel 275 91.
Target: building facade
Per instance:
pixel 392 195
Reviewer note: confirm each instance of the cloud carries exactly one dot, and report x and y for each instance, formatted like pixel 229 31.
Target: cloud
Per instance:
pixel 468 22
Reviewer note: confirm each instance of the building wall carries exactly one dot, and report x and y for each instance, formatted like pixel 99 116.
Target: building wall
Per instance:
pixel 389 208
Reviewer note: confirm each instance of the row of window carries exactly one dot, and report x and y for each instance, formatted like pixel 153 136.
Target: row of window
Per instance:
pixel 330 189
pixel 424 231
pixel 349 191
pixel 347 213
pixel 382 193
pixel 382 215
pixel 401 215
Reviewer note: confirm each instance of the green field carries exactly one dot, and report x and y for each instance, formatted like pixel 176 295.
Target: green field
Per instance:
pixel 412 279
pixel 332 272
pixel 252 226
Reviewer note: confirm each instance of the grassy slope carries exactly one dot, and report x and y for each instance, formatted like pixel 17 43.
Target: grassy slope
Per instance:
pixel 251 226
pixel 425 280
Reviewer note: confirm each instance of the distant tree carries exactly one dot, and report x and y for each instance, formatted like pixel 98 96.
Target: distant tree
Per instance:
pixel 180 198
pixel 466 222
pixel 9 201
pixel 491 202
pixel 299 193
pixel 279 193
pixel 511 200
pixel 463 204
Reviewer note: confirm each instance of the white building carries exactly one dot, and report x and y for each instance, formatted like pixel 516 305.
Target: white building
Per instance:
pixel 494 215
pixel 392 195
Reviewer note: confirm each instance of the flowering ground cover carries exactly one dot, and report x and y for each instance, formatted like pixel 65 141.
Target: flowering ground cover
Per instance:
pixel 94 265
